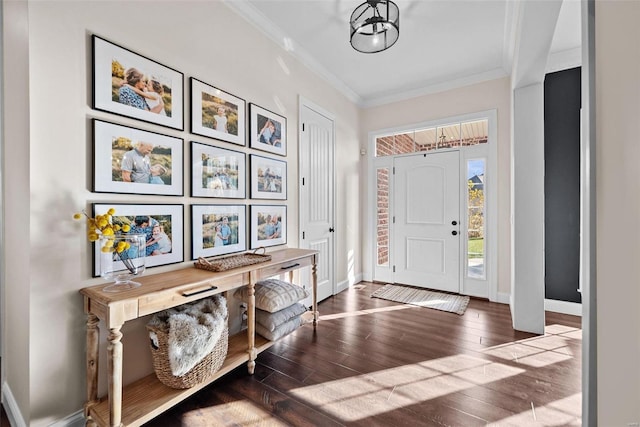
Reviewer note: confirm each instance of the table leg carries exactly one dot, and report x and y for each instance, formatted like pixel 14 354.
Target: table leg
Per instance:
pixel 93 332
pixel 251 322
pixel 114 352
pixel 314 280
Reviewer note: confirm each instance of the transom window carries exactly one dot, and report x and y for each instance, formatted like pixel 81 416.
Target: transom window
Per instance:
pixel 462 134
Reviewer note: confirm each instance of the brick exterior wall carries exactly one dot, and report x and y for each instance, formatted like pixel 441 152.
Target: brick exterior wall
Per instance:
pixel 382 225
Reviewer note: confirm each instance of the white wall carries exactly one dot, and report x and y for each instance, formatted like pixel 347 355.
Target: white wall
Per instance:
pixel 494 94
pixel 205 40
pixel 617 87
pixel 15 168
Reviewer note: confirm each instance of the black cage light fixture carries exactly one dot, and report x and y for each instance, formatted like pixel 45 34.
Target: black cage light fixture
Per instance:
pixel 375 26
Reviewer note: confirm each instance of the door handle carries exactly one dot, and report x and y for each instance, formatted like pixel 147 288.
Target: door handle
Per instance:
pixel 331 230
pixel 454 232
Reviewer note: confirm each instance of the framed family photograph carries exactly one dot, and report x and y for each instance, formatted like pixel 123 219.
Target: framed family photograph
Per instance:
pixel 268 225
pixel 268 178
pixel 217 172
pixel 218 230
pixel 216 113
pixel 163 226
pixel 268 130
pixel 134 161
pixel 132 85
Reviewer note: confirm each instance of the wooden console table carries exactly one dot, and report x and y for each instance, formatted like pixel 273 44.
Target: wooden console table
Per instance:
pixel 146 398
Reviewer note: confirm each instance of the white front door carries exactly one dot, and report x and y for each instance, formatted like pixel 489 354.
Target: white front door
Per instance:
pixel 426 233
pixel 316 193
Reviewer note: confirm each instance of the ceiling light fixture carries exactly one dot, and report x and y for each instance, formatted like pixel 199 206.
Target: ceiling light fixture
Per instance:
pixel 375 26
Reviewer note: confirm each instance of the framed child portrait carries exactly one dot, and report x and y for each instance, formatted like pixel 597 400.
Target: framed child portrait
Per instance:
pixel 217 172
pixel 268 130
pixel 163 226
pixel 218 230
pixel 268 178
pixel 134 161
pixel 268 225
pixel 216 113
pixel 131 85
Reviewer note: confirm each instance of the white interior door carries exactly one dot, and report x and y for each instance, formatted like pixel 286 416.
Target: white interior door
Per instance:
pixel 317 193
pixel 426 233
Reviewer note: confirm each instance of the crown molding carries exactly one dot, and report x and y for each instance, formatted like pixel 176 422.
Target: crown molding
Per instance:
pixel 273 32
pixel 378 100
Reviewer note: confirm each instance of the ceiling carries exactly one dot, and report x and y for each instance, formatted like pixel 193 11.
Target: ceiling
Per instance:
pixel 443 43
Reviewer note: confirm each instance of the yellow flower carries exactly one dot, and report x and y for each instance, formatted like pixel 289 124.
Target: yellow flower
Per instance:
pixel 102 225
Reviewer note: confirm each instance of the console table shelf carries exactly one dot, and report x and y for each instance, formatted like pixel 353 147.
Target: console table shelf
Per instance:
pixel 142 400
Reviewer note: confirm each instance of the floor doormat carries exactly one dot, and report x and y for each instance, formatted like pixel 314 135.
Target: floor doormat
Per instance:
pixel 423 298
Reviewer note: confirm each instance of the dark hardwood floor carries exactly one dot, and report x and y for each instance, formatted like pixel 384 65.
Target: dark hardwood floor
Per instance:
pixel 372 362
pixel 4 419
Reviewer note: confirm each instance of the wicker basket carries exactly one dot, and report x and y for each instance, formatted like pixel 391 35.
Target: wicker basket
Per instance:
pixel 230 262
pixel 201 372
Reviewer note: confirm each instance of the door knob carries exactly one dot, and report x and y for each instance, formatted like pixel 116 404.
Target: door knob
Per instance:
pixel 454 222
pixel 454 232
pixel 331 230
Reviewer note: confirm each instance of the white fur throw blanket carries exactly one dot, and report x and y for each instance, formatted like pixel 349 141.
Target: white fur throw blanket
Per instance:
pixel 193 330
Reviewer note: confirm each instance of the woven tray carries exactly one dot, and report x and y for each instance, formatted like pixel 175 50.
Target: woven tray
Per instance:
pixel 233 261
pixel 201 372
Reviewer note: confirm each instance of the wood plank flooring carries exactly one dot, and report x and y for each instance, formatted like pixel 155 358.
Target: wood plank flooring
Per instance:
pixel 372 362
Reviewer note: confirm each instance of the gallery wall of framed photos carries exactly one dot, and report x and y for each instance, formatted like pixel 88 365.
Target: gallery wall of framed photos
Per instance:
pixel 235 163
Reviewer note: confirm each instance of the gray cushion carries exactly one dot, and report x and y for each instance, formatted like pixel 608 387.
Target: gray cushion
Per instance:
pixel 272 320
pixel 273 295
pixel 282 330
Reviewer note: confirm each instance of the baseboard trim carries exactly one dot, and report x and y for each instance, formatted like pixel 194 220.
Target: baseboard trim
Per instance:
pixel 11 407
pixel 74 420
pixel 503 298
pixel 564 307
pixel 344 285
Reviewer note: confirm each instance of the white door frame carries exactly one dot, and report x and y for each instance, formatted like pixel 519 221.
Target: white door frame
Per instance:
pixel 302 103
pixel 489 151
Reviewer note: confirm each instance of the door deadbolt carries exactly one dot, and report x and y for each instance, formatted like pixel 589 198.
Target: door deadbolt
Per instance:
pixel 454 222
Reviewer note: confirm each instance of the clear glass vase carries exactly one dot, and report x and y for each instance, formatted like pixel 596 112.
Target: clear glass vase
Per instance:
pixel 122 257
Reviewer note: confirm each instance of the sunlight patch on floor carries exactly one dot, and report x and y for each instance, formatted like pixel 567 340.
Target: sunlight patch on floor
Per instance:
pixel 364 312
pixel 557 413
pixel 242 412
pixel 559 329
pixel 545 358
pixel 541 350
pixel 367 395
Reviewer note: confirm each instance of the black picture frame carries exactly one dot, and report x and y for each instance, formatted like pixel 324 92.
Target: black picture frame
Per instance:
pixel 268 178
pixel 114 65
pixel 169 216
pixel 262 136
pixel 260 218
pixel 205 220
pixel 208 103
pixel 217 172
pixel 115 145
